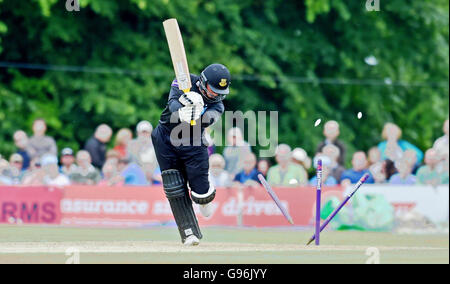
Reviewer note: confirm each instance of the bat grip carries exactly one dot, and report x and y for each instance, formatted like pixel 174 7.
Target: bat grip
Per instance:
pixel 192 119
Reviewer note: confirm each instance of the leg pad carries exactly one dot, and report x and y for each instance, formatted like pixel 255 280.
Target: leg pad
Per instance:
pixel 176 192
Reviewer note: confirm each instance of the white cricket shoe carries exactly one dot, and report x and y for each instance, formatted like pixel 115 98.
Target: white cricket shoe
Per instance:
pixel 192 240
pixel 206 209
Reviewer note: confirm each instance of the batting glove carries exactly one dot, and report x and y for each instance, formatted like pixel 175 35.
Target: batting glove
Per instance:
pixel 191 98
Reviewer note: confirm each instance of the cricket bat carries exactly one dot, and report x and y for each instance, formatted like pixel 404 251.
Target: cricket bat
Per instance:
pixel 178 55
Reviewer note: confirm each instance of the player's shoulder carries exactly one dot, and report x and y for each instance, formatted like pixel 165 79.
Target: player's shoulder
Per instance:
pixel 217 106
pixel 194 78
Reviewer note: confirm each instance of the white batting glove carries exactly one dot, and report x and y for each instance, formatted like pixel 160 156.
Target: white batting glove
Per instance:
pixel 191 98
pixel 190 112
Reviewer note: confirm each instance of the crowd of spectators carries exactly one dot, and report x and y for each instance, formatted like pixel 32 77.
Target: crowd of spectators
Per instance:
pixel 132 160
pixel 129 162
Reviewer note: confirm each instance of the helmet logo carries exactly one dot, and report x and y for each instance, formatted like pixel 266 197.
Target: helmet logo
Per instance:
pixel 223 83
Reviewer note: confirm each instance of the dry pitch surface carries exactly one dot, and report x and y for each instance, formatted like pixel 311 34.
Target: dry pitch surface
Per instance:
pixel 161 245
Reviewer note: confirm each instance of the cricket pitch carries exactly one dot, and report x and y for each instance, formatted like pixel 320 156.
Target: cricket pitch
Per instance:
pixel 24 244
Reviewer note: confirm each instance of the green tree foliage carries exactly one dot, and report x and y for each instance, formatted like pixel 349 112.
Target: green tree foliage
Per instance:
pixel 279 51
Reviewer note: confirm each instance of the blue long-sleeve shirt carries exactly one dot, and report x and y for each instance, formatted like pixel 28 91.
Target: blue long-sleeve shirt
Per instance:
pixel 404 145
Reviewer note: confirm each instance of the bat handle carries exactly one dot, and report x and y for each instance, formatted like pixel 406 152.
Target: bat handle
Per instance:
pixel 192 120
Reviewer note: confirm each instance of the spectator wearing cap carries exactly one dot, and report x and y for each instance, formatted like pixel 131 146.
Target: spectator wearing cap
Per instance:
pixel 249 174
pixel 286 173
pixel 331 132
pixel 21 142
pixel 17 172
pixel 429 173
pixel 96 145
pixel 327 179
pixel 67 162
pixel 358 170
pixel 392 148
pixel 85 173
pixel 235 151
pixel 52 176
pixel 40 144
pixel 300 157
pixel 333 153
pixel 142 147
pixel 123 137
pixel 217 174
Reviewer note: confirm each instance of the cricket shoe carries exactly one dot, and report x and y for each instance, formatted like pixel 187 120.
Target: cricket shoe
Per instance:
pixel 192 240
pixel 206 209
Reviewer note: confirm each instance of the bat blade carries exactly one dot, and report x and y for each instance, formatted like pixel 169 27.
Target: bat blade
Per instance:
pixel 178 55
pixel 275 198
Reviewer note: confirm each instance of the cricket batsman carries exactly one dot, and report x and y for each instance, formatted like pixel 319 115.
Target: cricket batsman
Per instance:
pixel 181 150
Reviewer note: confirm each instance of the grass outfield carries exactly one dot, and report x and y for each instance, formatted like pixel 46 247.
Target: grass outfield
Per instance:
pixel 23 244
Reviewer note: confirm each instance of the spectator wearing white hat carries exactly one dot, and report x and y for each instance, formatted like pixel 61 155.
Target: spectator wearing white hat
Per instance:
pixel 67 162
pixel 52 175
pixel 141 148
pixel 96 145
pixel 299 156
